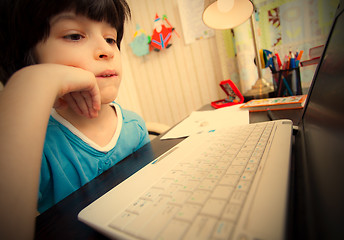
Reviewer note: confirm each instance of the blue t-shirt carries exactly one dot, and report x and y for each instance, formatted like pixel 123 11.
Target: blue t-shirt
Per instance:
pixel 70 159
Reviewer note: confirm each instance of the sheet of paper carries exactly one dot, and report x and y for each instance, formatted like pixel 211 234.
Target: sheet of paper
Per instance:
pixel 204 121
pixel 190 13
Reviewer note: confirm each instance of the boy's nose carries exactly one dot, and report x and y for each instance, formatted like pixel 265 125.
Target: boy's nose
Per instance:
pixel 104 51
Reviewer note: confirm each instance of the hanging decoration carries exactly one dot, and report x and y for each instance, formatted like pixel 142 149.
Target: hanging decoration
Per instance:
pixel 140 43
pixel 143 44
pixel 161 34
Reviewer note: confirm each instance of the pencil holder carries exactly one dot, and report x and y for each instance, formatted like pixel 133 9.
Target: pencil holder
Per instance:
pixel 287 82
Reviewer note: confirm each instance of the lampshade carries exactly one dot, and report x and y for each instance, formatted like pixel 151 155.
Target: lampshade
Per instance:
pixel 226 14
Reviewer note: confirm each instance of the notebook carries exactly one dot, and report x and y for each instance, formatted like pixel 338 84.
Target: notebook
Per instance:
pixel 251 182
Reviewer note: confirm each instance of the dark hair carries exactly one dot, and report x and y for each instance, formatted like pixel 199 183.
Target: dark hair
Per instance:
pixel 24 23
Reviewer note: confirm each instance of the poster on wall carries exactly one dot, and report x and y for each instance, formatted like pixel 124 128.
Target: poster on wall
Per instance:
pixel 191 18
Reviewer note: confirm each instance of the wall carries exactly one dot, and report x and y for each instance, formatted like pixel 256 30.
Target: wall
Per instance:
pixel 167 86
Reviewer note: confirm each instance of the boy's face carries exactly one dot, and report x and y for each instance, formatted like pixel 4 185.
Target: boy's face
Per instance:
pixel 77 41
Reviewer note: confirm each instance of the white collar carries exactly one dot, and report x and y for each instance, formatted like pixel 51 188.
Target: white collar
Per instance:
pixel 79 134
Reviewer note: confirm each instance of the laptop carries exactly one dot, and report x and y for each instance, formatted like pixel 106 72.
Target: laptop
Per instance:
pixel 254 181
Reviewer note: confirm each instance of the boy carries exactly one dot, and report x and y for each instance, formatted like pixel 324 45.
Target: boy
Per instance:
pixel 71 49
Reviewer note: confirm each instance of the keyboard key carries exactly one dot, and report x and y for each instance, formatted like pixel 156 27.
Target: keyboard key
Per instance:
pixel 188 212
pixel 215 174
pixel 251 167
pixel 163 183
pixel 199 197
pixel 254 160
pixel 170 190
pixel 221 165
pixel 208 184
pixel 181 166
pixel 180 179
pixel 138 206
pixel 229 179
pixel 241 161
pixel 248 175
pixel 198 175
pixel 173 174
pixel 228 158
pixel 211 159
pixel 235 170
pixel 134 227
pixel 146 215
pixel 189 185
pixel 213 207
pixel 223 230
pixel 205 166
pixel 235 146
pixel 238 197
pixel 245 153
pixel 152 194
pixel 222 192
pixel 201 228
pixel 174 230
pixel 180 197
pixel 232 151
pixel 157 224
pixel 243 186
pixel 122 220
pixel 231 212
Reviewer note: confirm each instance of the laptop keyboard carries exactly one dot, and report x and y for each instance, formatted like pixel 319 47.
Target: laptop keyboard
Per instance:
pixel 202 196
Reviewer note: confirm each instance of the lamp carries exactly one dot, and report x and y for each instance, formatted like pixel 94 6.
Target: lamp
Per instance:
pixel 225 14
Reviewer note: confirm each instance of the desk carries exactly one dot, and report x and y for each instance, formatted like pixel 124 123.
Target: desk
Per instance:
pixel 60 221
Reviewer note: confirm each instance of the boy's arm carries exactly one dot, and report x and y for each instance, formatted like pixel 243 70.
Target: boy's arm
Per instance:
pixel 25 105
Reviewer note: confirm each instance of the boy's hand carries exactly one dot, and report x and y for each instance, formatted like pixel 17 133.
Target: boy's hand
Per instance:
pixel 79 91
pixel 71 87
pixel 80 102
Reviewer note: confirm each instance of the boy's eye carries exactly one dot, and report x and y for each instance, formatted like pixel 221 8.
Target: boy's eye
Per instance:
pixel 110 41
pixel 73 37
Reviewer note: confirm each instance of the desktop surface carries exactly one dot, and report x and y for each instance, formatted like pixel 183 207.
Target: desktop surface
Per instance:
pixel 60 221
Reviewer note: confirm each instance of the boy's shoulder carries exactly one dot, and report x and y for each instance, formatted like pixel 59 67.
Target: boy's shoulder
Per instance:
pixel 128 115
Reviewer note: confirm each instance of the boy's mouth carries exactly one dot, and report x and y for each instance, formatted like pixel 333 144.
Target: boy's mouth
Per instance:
pixel 107 74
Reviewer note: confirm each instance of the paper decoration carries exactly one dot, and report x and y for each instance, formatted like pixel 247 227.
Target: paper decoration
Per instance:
pixel 140 44
pixel 160 39
pixel 161 35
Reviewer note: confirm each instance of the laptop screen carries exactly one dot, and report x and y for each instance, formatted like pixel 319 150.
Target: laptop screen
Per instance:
pixel 323 141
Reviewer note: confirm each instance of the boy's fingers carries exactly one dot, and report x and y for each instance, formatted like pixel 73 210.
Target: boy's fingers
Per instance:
pixel 95 96
pixel 72 104
pixel 93 112
pixel 88 100
pixel 81 103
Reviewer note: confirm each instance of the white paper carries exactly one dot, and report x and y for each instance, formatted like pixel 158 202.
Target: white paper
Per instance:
pixel 205 121
pixel 191 18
